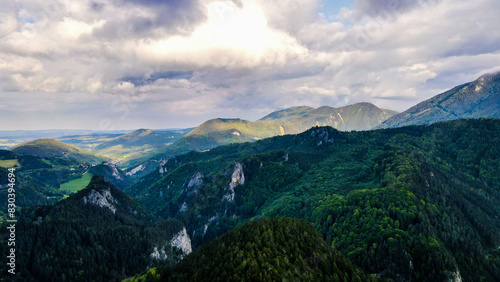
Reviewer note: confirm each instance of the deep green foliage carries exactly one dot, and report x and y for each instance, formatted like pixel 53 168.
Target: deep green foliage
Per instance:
pixel 38 180
pixel 282 249
pixel 78 241
pixel 418 202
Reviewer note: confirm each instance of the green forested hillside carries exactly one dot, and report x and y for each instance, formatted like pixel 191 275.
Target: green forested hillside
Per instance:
pixel 218 132
pixel 38 180
pixel 50 148
pixel 266 250
pixel 418 202
pixel 210 134
pixel 98 234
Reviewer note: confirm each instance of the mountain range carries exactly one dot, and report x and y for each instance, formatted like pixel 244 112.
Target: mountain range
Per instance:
pixel 217 132
pixel 411 203
pixel 415 200
pixel 360 116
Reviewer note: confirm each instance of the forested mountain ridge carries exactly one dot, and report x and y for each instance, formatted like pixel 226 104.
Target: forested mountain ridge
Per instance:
pixel 418 202
pixel 217 132
pixel 97 234
pixel 220 131
pixel 264 250
pixel 359 116
pixel 208 135
pixel 477 99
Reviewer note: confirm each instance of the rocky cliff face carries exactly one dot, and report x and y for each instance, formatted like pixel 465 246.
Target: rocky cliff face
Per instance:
pixel 237 178
pixel 182 241
pixel 111 173
pixel 103 199
pixel 179 240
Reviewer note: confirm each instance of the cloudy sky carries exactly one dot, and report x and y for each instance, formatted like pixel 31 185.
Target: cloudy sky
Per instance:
pixel 126 64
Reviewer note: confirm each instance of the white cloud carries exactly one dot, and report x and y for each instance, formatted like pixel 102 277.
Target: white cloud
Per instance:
pixel 192 60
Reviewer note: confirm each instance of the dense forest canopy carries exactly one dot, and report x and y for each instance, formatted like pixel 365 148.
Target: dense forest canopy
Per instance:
pixel 77 239
pixel 264 250
pixel 418 202
pixel 414 203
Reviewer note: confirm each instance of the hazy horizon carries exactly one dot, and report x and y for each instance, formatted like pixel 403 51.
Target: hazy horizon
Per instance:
pixel 130 64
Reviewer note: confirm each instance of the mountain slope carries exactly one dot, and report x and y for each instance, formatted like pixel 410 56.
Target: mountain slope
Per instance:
pixel 50 148
pixel 419 202
pixel 477 99
pixel 286 116
pixel 219 131
pixel 98 234
pixel 210 134
pixel 360 116
pixel 111 173
pixel 132 147
pixel 41 181
pixel 265 250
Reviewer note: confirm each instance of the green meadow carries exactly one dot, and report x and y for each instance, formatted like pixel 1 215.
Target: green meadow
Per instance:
pixel 78 184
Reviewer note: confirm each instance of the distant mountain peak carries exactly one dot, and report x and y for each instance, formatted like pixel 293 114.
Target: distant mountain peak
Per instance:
pixel 142 131
pixel 489 77
pixel 476 99
pixel 359 116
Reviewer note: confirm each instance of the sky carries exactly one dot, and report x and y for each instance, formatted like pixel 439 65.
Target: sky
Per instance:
pixel 128 64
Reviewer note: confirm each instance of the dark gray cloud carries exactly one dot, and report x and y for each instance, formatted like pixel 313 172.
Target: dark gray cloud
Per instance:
pixel 151 78
pixel 182 15
pixel 387 8
pixel 154 18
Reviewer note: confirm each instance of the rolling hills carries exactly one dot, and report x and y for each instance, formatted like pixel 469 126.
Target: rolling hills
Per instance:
pixel 217 132
pixel 129 149
pixel 50 148
pixel 477 99
pixel 418 202
pixel 88 142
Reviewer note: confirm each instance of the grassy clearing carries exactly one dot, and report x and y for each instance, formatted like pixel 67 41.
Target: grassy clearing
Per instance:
pixel 9 163
pixel 76 185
